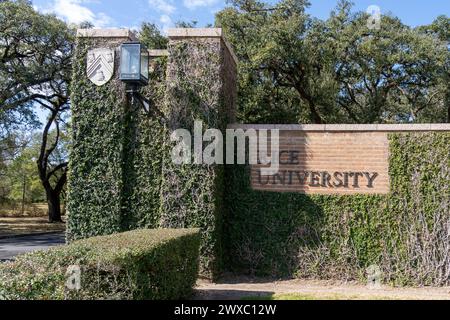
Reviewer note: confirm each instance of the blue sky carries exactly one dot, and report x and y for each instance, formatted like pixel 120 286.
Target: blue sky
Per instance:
pixel 131 13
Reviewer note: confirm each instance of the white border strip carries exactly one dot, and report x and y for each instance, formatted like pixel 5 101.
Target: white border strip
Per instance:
pixel 345 127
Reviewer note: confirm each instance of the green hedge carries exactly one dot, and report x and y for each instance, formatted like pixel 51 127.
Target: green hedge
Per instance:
pixel 140 264
pixel 405 233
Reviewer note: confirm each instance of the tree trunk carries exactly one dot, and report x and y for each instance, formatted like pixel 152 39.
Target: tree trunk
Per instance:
pixel 313 112
pixel 315 117
pixel 53 194
pixel 23 195
pixel 54 206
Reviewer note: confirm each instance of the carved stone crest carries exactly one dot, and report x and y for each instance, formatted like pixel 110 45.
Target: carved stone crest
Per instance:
pixel 100 65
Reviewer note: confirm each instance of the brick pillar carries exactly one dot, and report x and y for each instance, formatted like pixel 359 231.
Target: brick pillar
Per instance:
pixel 201 86
pixel 99 133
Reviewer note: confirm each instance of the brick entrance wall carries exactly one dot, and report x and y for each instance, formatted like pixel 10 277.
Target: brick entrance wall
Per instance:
pixel 331 159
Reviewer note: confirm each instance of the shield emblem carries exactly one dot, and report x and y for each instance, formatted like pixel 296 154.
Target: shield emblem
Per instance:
pixel 100 65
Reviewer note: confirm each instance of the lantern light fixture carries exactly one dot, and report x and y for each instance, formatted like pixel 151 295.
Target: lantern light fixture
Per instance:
pixel 134 71
pixel 134 64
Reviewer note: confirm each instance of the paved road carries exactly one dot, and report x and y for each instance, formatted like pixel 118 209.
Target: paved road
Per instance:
pixel 9 248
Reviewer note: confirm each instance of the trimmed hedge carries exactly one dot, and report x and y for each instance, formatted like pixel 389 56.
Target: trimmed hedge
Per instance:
pixel 405 232
pixel 138 265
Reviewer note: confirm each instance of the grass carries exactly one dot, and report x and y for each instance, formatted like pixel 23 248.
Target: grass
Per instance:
pixel 30 210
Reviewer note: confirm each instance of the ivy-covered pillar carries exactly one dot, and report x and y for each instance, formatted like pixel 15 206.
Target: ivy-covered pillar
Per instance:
pixel 201 86
pixel 100 117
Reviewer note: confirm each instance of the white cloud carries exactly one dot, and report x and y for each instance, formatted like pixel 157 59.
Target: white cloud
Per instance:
pixel 191 4
pixel 73 11
pixel 102 20
pixel 166 7
pixel 163 6
pixel 166 22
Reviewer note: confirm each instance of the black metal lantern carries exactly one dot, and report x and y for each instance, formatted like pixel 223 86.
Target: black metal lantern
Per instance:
pixel 134 60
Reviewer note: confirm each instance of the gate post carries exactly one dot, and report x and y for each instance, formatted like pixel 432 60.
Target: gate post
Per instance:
pixel 201 86
pixel 106 170
pixel 99 122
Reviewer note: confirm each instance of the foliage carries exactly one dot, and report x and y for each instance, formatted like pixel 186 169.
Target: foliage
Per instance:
pixel 186 24
pixel 191 195
pixel 417 246
pixel 115 169
pixel 145 151
pixel 390 75
pixel 270 44
pixel 35 57
pixel 20 183
pixel 10 148
pixel 122 177
pixel 52 160
pixel 440 30
pixel 298 69
pixel 138 265
pixel 95 174
pixel 338 237
pixel 21 178
pixel 152 37
pixel 35 71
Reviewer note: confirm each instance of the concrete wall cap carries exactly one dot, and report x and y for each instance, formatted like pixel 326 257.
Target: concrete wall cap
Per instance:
pixel 345 127
pixel 176 33
pixel 107 33
pixel 194 33
pixel 158 52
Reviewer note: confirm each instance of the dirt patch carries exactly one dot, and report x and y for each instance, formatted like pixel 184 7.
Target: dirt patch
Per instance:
pixel 238 288
pixel 22 226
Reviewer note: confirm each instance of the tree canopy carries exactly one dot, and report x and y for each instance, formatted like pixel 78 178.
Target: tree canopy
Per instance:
pixel 35 72
pixel 35 59
pixel 296 68
pixel 293 68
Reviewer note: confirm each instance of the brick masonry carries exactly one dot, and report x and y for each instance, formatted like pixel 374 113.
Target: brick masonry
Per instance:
pixel 338 159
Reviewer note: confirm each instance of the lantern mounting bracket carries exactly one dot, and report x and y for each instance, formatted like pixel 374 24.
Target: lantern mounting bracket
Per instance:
pixel 147 104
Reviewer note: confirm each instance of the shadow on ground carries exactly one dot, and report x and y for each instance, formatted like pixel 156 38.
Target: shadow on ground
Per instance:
pixel 16 226
pixel 205 294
